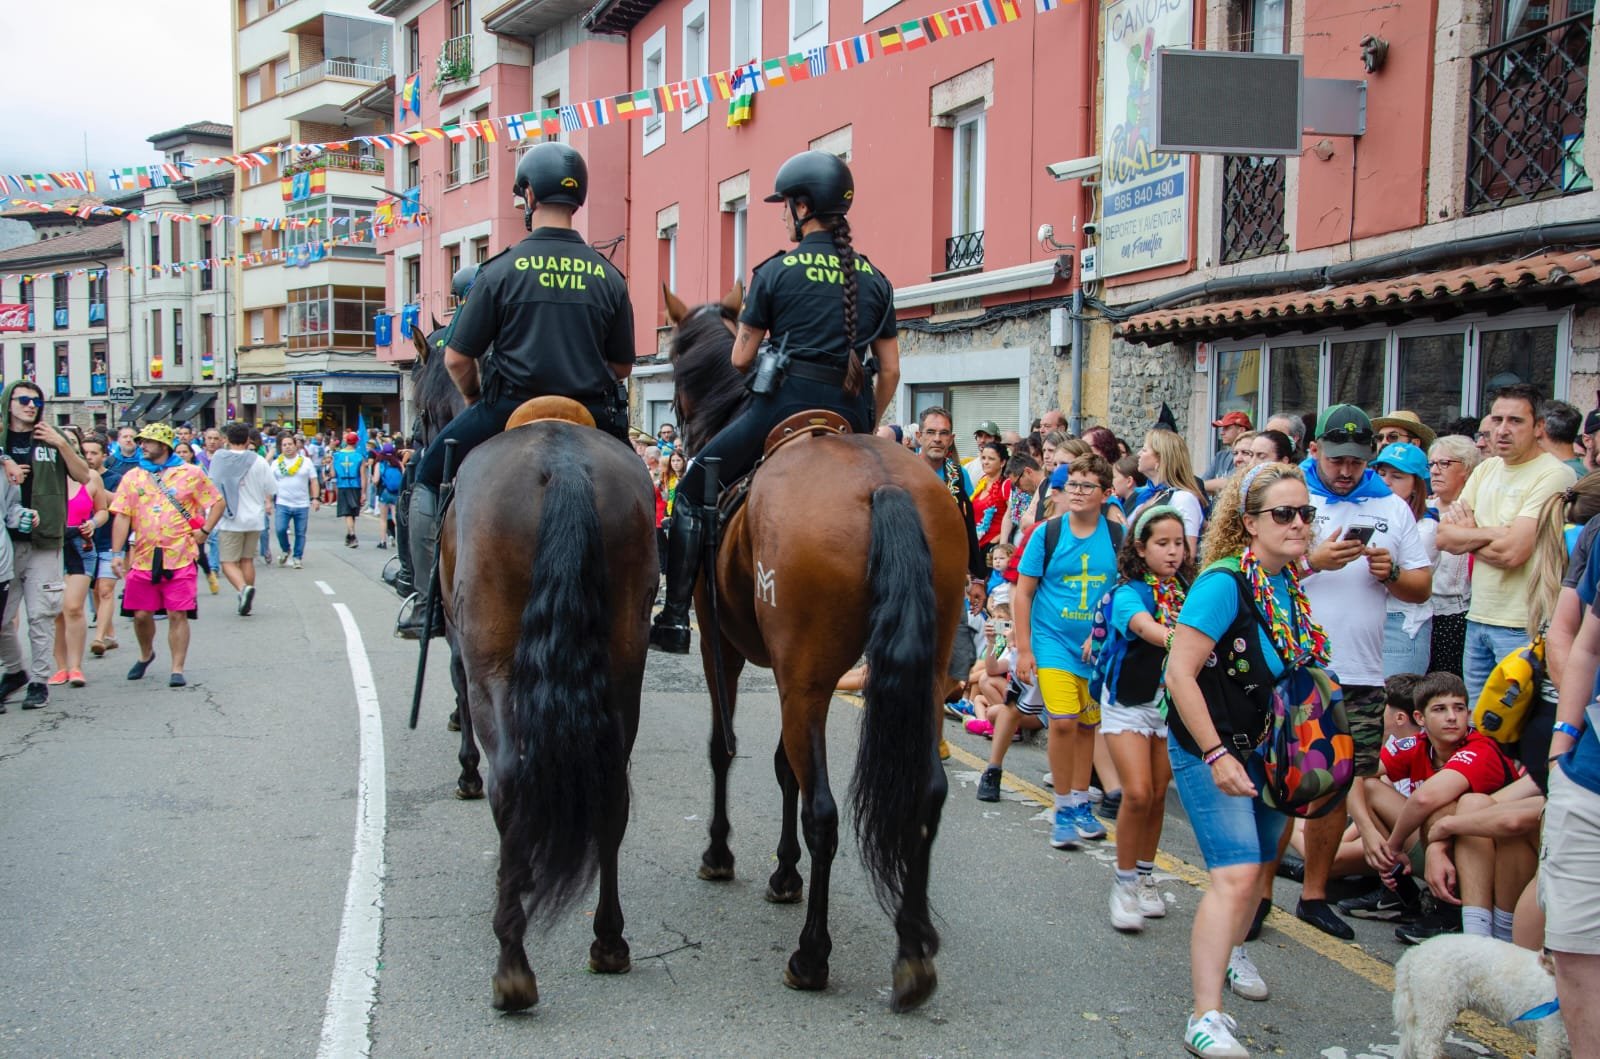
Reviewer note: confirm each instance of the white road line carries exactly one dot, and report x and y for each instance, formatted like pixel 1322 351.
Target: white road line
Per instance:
pixel 354 988
pixel 327 589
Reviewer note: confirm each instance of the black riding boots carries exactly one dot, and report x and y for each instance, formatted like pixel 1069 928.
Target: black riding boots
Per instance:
pixel 686 541
pixel 423 533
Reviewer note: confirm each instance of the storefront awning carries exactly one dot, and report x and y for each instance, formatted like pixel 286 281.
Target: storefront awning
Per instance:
pixel 137 408
pixel 191 407
pixel 158 412
pixel 1382 301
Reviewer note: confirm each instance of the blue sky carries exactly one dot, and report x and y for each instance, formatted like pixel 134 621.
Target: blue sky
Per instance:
pixel 114 70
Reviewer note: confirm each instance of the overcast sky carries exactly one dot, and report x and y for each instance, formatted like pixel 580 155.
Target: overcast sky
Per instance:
pixel 115 71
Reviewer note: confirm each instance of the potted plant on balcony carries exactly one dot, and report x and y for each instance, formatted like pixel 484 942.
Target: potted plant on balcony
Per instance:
pixel 452 68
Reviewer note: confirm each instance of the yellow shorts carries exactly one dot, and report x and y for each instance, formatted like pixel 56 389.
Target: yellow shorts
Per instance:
pixel 1066 695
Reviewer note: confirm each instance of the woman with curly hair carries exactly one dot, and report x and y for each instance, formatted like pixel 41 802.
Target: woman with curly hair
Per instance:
pixel 992 494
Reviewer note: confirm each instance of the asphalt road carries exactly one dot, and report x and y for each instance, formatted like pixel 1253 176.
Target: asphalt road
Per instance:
pixel 175 864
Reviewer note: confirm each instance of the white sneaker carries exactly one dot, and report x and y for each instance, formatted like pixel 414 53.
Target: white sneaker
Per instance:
pixel 1211 1037
pixel 1243 978
pixel 1125 907
pixel 1048 779
pixel 295 563
pixel 1151 904
pixel 283 560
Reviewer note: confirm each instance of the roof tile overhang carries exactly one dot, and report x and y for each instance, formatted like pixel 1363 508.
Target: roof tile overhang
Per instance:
pixel 1435 294
pixel 616 16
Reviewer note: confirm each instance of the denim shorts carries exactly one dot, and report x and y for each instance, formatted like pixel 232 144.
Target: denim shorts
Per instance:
pixel 1230 830
pixel 99 566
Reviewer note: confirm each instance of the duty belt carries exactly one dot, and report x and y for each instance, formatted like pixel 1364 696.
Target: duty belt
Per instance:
pixel 800 369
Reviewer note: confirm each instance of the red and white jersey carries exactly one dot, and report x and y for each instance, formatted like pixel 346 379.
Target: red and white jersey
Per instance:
pixel 1408 764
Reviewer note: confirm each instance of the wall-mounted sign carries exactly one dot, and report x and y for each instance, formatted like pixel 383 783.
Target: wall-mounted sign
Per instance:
pixel 308 400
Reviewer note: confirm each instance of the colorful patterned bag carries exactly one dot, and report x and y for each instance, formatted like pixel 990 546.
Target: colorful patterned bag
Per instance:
pixel 1306 765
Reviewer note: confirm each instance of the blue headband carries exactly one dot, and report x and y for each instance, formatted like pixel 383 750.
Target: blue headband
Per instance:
pixel 1249 476
pixel 1152 513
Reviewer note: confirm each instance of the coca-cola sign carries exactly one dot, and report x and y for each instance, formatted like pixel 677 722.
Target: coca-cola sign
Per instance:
pixel 15 317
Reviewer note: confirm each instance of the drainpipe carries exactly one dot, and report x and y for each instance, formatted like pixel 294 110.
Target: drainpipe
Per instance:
pixel 1088 34
pixel 1075 420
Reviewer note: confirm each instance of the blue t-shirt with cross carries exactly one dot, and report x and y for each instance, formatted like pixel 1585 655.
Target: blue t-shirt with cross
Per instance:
pixel 1081 571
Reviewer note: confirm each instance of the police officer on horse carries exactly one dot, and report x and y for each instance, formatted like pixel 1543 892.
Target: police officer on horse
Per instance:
pixel 823 306
pixel 558 316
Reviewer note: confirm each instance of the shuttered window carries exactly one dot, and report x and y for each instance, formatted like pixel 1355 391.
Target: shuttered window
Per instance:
pixel 971 403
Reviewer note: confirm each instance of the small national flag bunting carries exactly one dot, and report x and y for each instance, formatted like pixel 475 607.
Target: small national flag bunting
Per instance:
pixel 889 41
pixel 741 109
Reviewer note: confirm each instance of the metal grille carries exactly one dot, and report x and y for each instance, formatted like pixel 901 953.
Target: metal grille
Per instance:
pixel 1528 109
pixel 1252 207
pixel 963 251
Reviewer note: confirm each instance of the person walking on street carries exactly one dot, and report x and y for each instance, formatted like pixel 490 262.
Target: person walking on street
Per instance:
pixel 38 460
pixel 170 508
pixel 86 512
pixel 296 494
pixel 246 485
pixel 350 479
pixel 96 449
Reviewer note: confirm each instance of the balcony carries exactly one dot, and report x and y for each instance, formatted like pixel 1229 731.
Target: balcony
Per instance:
pixel 1252 208
pixel 345 69
pixel 962 252
pixel 455 61
pixel 1525 126
pixel 338 161
pixel 480 168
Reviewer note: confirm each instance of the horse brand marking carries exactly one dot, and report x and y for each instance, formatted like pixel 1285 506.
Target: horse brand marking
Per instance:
pixel 766 587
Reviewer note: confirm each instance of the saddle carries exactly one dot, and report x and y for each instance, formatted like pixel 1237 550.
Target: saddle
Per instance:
pixel 539 409
pixel 815 422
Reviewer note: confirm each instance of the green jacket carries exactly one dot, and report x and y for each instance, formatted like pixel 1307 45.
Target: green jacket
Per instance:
pixel 48 478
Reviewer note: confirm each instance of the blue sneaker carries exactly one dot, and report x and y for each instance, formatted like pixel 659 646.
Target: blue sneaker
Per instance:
pixel 1085 824
pixel 1064 835
pixel 960 711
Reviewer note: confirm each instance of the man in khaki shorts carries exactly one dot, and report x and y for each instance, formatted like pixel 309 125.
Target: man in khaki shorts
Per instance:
pixel 246 484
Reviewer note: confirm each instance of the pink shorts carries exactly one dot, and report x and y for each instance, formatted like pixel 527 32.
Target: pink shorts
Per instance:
pixel 175 594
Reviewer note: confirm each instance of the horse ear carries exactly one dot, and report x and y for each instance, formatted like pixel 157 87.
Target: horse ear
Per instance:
pixel 422 345
pixel 733 301
pixel 676 310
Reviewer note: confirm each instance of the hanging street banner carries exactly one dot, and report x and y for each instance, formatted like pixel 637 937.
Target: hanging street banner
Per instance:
pixel 1145 193
pixel 16 318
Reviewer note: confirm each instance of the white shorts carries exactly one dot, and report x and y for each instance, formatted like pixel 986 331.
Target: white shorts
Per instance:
pixel 1569 867
pixel 1116 719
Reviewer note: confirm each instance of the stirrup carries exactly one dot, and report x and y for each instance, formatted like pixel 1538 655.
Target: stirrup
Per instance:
pixel 409 620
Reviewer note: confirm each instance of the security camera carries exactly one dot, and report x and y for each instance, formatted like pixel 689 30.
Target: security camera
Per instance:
pixel 1091 229
pixel 1047 232
pixel 1075 169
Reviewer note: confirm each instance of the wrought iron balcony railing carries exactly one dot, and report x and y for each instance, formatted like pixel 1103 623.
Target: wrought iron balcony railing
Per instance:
pixel 455 60
pixel 1529 102
pixel 963 252
pixel 345 161
pixel 1252 207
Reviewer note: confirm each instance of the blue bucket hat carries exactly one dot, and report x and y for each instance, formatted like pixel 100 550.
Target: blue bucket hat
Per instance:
pixel 1405 457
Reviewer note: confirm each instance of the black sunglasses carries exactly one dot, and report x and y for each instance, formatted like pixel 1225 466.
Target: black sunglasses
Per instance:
pixel 32 402
pixel 1360 437
pixel 1285 514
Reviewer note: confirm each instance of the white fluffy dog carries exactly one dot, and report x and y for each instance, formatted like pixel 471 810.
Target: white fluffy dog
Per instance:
pixel 1437 979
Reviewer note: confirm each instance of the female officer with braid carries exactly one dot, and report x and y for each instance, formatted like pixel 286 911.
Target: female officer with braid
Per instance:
pixel 822 304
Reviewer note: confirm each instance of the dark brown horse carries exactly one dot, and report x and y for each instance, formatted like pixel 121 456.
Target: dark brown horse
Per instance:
pixel 846 545
pixel 548 608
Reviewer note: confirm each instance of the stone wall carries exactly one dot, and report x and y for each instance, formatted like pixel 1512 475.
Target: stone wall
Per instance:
pixel 1141 379
pixel 1584 367
pixel 1049 376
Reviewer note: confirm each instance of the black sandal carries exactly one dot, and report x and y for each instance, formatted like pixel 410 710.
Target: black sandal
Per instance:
pixel 137 671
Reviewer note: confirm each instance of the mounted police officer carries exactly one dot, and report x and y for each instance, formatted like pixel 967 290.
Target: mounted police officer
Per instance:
pixel 558 316
pixel 823 306
pixel 405 579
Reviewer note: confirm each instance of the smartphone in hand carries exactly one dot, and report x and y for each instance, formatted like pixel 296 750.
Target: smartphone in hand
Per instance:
pixel 1359 533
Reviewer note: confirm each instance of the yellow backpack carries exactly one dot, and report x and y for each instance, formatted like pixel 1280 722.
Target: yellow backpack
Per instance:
pixel 1510 694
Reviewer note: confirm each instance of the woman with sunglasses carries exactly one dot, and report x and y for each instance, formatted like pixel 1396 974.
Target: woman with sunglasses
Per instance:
pixel 1244 620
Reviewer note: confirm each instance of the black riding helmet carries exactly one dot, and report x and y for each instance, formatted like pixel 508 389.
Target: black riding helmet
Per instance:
pixel 552 174
pixel 461 282
pixel 818 178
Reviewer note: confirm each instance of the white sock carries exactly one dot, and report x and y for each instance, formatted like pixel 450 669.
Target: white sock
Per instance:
pixel 1078 798
pixel 1146 868
pixel 1063 801
pixel 1502 921
pixel 1477 921
pixel 1126 878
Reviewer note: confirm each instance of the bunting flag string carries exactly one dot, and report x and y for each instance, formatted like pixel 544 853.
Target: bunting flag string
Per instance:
pixel 755 76
pixel 255 224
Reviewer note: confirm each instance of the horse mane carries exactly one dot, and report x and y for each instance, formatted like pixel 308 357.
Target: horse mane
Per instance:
pixel 711 389
pixel 434 394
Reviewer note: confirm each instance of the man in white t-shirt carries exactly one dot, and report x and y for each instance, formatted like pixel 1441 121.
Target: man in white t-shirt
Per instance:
pixel 1496 520
pixel 298 492
pixel 1367 549
pixel 246 486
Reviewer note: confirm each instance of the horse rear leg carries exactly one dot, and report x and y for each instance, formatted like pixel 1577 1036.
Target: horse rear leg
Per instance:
pixel 716 863
pixel 469 785
pixel 914 976
pixel 803 740
pixel 515 987
pixel 785 885
pixel 608 953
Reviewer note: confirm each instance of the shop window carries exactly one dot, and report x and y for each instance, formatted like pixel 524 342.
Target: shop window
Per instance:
pixel 1238 381
pixel 1517 355
pixel 1430 369
pixel 1355 375
pixel 1293 374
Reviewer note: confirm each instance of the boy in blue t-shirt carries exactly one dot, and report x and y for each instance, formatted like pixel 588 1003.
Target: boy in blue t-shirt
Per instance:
pixel 1053 605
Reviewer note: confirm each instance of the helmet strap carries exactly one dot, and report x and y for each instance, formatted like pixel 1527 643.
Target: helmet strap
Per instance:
pixel 796 222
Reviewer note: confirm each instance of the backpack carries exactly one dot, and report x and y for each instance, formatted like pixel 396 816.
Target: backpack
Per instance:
pixel 393 477
pixel 1130 685
pixel 1508 696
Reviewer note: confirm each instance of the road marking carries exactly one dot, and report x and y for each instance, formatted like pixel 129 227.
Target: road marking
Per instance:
pixel 354 987
pixel 1349 956
pixel 327 589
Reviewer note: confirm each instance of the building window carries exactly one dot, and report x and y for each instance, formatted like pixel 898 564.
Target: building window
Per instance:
pixel 177 337
pixel 208 347
pixel 413 167
pixel 258 326
pixel 332 317
pixel 667 257
pixel 452 264
pixel 456 172
pixel 63 370
pixel 696 56
pixel 99 371
pixel 808 24
pixel 480 250
pixel 1255 189
pixel 739 237
pixel 969 403
pixel 655 74
pixel 25 293
pixel 964 248
pixel 480 147
pixel 744 32
pixel 60 287
pixel 413 291
pixel 413 46
pixel 30 370
pixel 97 297
pixel 155 242
pixel 460 18
pixel 552 101
pixel 207 252
pixel 252 88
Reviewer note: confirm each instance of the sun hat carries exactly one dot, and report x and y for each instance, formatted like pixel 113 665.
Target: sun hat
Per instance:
pixel 1408 421
pixel 160 432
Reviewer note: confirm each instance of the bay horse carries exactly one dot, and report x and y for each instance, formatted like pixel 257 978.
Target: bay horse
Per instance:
pixel 547 607
pixel 804 588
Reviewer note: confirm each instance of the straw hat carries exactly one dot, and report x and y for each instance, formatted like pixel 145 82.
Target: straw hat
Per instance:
pixel 1408 421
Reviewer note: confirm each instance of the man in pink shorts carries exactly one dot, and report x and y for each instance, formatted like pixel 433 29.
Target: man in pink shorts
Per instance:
pixel 170 507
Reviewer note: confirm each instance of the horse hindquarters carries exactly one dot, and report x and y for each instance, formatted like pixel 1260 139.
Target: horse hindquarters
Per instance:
pixel 899 788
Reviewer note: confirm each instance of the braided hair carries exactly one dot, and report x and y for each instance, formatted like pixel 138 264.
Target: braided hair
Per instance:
pixel 854 373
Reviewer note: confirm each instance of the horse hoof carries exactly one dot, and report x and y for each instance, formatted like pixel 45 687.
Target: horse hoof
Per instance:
pixel 783 897
pixel 468 792
pixel 795 978
pixel 515 991
pixel 609 961
pixel 454 723
pixel 914 982
pixel 715 872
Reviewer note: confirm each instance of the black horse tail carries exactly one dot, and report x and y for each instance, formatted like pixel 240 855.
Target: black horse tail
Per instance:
pixel 570 758
pixel 896 758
